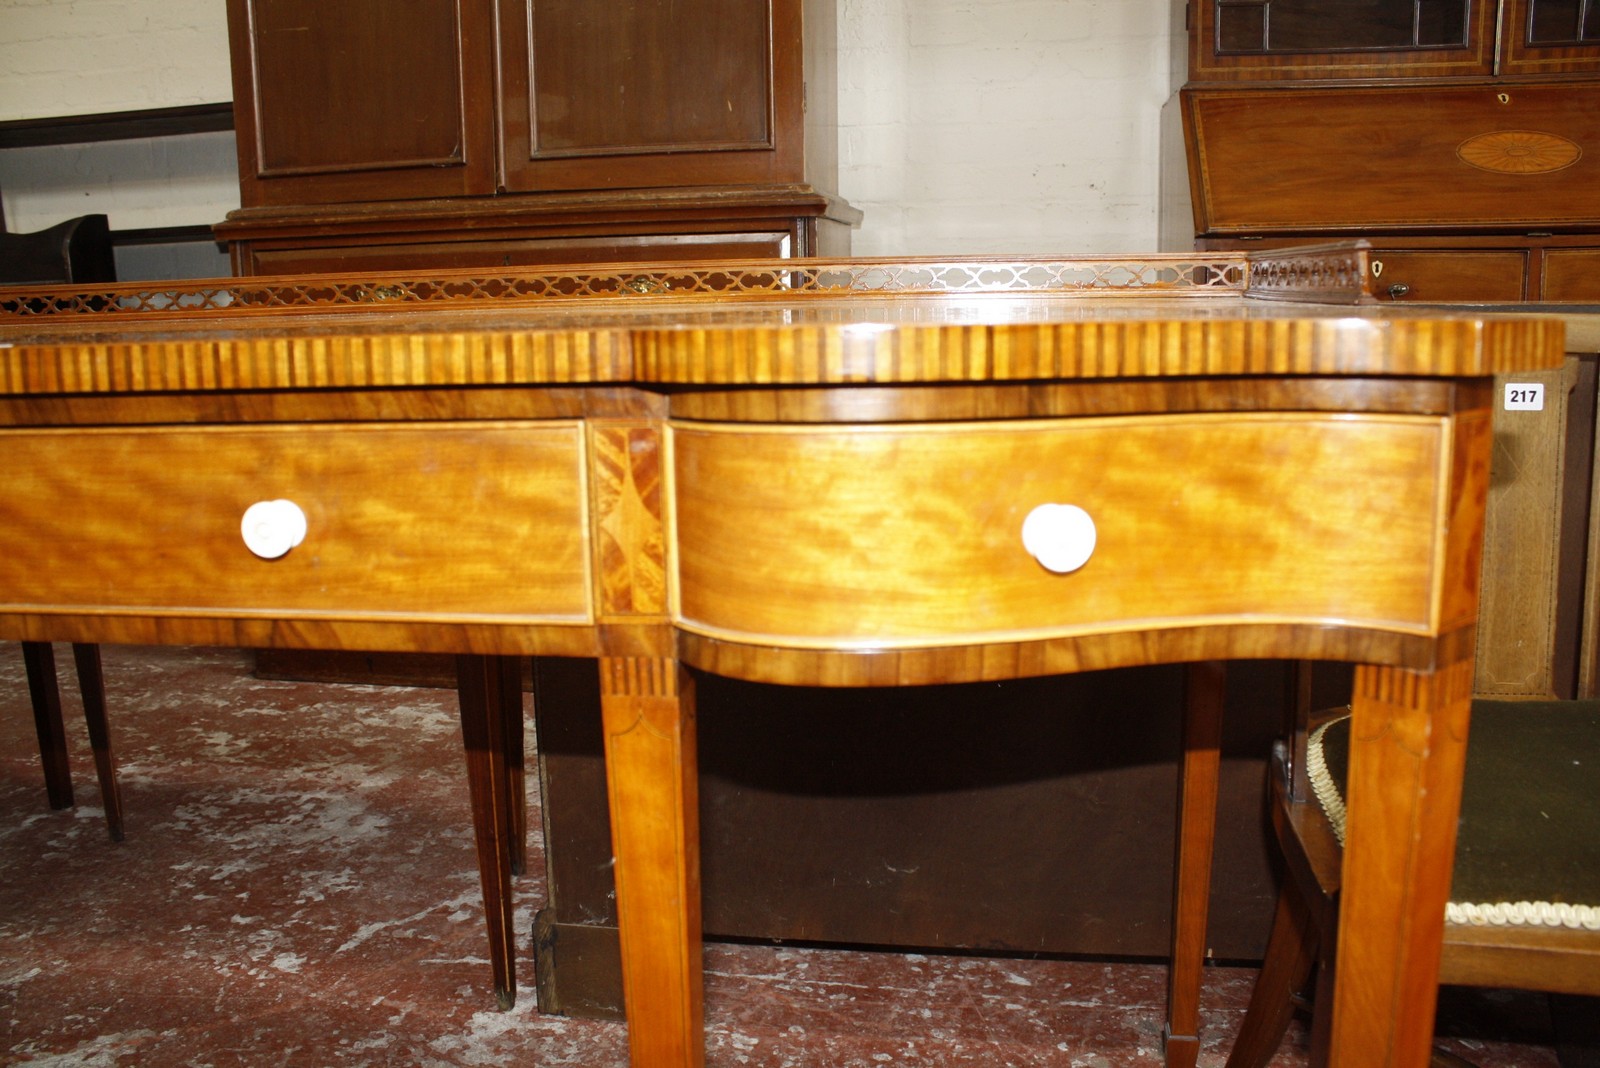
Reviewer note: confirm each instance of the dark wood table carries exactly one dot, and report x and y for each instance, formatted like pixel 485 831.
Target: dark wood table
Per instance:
pixel 825 474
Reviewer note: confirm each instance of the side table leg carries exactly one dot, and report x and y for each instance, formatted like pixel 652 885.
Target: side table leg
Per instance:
pixel 1408 745
pixel 1198 770
pixel 647 705
pixel 92 685
pixel 481 682
pixel 39 659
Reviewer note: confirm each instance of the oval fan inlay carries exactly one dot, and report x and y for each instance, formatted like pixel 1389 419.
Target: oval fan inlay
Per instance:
pixel 1519 152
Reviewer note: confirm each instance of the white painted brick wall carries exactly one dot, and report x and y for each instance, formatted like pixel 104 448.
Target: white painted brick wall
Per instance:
pixel 1002 125
pixel 167 181
pixel 74 57
pixel 967 126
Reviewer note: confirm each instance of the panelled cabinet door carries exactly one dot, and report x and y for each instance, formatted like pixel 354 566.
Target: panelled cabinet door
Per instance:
pixel 640 93
pixel 362 99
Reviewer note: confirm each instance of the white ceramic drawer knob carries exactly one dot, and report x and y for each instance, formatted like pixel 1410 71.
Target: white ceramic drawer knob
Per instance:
pixel 272 528
pixel 1060 536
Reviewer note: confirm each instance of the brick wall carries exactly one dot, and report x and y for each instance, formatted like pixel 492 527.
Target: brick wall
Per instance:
pixel 71 57
pixel 1002 125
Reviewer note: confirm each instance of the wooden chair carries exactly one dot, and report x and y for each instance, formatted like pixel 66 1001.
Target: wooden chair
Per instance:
pixel 75 251
pixel 78 250
pixel 1529 815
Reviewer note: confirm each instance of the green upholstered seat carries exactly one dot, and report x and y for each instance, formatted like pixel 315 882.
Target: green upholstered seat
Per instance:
pixel 1528 843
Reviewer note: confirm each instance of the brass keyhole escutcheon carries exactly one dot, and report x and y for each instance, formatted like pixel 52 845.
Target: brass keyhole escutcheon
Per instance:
pixel 1504 98
pixel 1377 268
pixel 380 294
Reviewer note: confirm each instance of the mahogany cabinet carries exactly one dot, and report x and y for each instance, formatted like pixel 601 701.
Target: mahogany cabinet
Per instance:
pixel 428 134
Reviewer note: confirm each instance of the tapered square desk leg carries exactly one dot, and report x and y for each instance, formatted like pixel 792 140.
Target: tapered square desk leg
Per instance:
pixel 486 685
pixel 1408 744
pixel 92 686
pixel 647 704
pixel 511 723
pixel 1200 762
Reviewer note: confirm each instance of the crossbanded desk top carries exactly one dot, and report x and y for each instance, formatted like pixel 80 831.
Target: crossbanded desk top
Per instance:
pixel 846 322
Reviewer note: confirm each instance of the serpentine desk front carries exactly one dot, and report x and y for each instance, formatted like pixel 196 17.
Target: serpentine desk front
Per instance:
pixel 798 472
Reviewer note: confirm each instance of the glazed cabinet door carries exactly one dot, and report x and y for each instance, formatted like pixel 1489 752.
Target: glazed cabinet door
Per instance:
pixel 362 99
pixel 647 93
pixel 1550 37
pixel 1252 40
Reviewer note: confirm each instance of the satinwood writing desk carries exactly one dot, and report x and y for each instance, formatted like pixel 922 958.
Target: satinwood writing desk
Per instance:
pixel 798 472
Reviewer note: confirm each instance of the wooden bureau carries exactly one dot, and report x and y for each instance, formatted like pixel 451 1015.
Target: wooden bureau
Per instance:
pixel 1462 139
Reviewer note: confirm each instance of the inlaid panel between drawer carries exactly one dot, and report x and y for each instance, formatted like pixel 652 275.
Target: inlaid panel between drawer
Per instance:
pixel 458 521
pixel 862 537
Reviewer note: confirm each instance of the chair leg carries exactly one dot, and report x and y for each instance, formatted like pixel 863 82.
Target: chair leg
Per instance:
pixel 1577 1026
pixel 1291 953
pixel 1205 684
pixel 92 685
pixel 40 661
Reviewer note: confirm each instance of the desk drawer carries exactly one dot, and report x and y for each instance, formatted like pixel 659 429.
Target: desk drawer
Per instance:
pixel 448 521
pixel 1489 276
pixel 904 536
